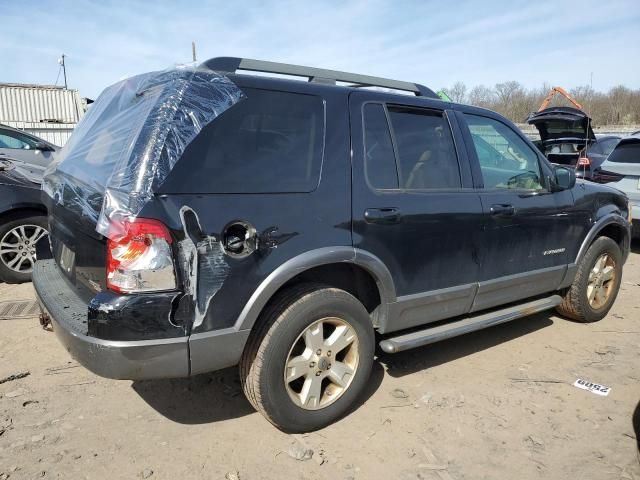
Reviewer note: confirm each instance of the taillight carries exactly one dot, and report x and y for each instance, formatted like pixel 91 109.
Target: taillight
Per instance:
pixel 583 162
pixel 139 257
pixel 603 176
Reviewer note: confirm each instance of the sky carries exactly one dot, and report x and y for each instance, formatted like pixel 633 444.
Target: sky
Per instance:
pixel 436 43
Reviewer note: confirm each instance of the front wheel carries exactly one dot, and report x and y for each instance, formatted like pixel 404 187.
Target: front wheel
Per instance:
pixel 596 284
pixel 309 358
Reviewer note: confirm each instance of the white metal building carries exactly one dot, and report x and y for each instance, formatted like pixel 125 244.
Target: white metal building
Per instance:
pixel 50 112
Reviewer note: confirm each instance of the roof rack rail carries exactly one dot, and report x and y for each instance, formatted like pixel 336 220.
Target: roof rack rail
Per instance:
pixel 318 75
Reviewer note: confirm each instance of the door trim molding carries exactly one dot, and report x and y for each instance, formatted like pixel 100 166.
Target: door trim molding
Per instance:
pixel 427 307
pixel 511 288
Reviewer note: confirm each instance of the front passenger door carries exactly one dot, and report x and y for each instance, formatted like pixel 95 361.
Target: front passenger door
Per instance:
pixel 528 228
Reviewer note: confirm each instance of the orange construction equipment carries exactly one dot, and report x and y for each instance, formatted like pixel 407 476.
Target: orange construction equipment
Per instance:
pixel 558 90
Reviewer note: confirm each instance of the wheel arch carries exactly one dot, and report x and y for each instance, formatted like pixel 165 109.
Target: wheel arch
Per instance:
pixel 21 210
pixel 613 226
pixel 317 265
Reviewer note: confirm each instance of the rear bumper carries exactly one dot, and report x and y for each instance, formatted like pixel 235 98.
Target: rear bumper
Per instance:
pixel 132 360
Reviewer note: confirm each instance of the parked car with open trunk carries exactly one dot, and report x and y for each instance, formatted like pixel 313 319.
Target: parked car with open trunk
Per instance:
pixel 567 138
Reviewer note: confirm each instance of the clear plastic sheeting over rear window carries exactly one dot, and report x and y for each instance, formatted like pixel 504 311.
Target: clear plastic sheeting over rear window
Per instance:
pixel 131 138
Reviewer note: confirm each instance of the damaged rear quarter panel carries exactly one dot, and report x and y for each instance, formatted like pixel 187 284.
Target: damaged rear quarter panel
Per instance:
pixel 217 285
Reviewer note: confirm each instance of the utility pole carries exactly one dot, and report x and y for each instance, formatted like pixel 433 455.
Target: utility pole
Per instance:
pixel 193 50
pixel 64 69
pixel 590 93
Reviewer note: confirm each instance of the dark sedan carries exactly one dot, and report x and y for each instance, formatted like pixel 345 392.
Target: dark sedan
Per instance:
pixel 23 217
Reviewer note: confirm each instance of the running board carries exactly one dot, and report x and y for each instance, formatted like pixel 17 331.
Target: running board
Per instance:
pixel 471 324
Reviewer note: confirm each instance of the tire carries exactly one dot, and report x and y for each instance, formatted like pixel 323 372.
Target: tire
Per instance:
pixel 291 320
pixel 10 232
pixel 576 303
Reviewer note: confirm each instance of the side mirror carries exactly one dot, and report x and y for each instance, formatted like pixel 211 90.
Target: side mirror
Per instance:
pixel 44 147
pixel 564 178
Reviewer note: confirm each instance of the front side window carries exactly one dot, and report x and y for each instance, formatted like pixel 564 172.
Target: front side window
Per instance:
pixel 16 141
pixel 426 153
pixel 506 161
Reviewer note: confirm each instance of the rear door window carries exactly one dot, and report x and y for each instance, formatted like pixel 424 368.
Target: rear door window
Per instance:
pixel 426 153
pixel 380 162
pixel 270 142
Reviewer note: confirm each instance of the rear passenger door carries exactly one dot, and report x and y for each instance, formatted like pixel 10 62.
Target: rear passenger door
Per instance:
pixel 414 206
pixel 530 230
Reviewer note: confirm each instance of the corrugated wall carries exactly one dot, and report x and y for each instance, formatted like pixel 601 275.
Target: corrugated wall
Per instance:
pixel 35 103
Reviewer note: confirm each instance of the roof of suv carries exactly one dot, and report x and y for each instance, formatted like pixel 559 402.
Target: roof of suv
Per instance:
pixel 231 65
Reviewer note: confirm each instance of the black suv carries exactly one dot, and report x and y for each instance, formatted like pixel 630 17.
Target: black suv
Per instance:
pixel 204 218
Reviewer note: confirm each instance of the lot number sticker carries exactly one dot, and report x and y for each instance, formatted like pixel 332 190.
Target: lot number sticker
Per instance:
pixel 592 387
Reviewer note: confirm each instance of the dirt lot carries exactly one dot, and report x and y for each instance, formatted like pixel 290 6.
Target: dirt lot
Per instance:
pixel 494 404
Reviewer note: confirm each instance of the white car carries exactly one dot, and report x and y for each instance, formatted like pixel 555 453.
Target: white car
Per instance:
pixel 621 170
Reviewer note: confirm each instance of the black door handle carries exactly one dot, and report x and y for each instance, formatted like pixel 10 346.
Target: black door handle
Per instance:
pixel 385 216
pixel 502 209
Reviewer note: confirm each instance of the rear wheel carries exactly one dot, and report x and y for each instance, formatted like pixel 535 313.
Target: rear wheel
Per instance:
pixel 309 358
pixel 596 284
pixel 18 238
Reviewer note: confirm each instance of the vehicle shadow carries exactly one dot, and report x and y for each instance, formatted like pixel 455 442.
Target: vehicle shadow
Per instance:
pixel 635 245
pixel 218 396
pixel 206 398
pixel 411 361
pixel 214 397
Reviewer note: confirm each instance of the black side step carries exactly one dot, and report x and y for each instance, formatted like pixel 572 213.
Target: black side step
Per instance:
pixel 460 327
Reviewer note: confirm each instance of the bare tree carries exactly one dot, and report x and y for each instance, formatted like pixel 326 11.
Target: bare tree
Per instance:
pixel 507 96
pixel 620 105
pixel 457 93
pixel 481 96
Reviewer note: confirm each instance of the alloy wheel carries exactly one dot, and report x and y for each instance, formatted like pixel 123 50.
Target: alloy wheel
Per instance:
pixel 321 363
pixel 602 280
pixel 18 247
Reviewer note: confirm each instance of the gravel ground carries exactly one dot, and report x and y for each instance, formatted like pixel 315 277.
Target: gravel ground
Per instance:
pixel 490 405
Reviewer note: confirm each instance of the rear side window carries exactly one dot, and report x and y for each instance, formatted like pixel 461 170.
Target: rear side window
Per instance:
pixel 595 148
pixel 426 153
pixel 626 152
pixel 380 162
pixel 270 142
pixel 608 145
